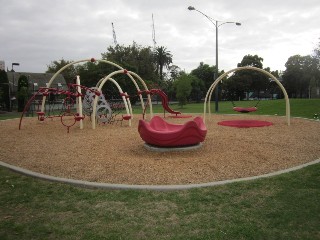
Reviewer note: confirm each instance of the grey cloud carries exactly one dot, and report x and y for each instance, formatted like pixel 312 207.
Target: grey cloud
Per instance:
pixel 35 33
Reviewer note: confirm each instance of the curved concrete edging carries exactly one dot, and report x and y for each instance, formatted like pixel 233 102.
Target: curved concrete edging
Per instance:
pixel 87 184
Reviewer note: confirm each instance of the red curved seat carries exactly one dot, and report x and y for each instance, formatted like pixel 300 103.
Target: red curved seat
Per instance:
pixel 160 133
pixel 245 109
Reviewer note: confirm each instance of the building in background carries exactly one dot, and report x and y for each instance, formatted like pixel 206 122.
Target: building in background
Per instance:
pixel 36 80
pixel 2 65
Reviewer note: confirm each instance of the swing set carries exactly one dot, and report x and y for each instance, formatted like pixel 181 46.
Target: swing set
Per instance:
pixel 245 109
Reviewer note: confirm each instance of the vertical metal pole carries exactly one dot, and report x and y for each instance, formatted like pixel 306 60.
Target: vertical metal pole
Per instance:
pixel 13 92
pixel 10 106
pixel 217 72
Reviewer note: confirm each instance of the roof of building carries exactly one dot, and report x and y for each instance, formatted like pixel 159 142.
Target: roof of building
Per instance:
pixel 40 79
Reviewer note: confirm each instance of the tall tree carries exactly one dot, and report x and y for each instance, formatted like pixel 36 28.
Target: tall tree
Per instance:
pixel 316 52
pixel 22 93
pixel 183 88
pixel 4 90
pixel 252 61
pixel 299 74
pixel 69 73
pixel 247 80
pixel 167 85
pixel 135 58
pixel 163 59
pixel 206 74
pixel 315 83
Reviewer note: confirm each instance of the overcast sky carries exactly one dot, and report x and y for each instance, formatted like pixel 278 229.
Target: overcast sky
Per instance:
pixel 36 32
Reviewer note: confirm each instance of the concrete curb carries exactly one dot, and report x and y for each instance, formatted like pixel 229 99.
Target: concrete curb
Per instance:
pixel 87 184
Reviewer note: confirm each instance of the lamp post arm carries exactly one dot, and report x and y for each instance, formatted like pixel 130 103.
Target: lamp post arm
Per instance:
pixel 213 21
pixel 217 24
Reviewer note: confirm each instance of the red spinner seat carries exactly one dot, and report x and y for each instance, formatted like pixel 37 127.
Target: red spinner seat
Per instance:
pixel 158 132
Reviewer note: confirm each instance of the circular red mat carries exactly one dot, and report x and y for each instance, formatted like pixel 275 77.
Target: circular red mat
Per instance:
pixel 245 123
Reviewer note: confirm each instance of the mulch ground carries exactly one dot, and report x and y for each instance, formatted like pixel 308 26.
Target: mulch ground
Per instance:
pixel 116 154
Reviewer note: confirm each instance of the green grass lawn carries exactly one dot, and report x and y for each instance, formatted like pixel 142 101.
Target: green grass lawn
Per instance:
pixel 299 107
pixel 281 207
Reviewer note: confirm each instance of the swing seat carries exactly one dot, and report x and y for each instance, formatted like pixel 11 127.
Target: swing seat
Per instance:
pixel 126 117
pixel 78 118
pixel 160 133
pixel 245 109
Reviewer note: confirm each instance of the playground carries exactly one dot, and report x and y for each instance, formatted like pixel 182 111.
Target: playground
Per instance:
pixel 102 145
pixel 116 154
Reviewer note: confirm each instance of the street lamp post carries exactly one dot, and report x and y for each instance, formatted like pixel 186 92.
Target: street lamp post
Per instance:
pixel 14 64
pixel 217 24
pixel 13 82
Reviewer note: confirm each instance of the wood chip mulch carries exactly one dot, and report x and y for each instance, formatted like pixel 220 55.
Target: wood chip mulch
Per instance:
pixel 116 154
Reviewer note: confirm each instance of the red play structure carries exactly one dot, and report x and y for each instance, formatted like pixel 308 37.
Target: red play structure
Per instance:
pixel 245 109
pixel 67 117
pixel 164 100
pixel 245 123
pixel 162 134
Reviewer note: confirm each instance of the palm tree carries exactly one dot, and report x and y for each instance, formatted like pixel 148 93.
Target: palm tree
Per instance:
pixel 163 58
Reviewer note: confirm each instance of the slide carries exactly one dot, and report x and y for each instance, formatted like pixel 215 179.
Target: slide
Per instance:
pixel 164 99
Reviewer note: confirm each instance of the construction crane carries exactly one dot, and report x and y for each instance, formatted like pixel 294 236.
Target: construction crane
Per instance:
pixel 153 33
pixel 114 35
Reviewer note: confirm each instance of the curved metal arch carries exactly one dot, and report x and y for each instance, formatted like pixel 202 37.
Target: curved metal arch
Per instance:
pixel 108 77
pixel 70 64
pixel 126 101
pixel 130 73
pixel 215 83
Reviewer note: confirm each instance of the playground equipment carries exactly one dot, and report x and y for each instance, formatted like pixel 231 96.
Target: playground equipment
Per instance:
pixel 245 109
pixel 245 123
pixel 164 101
pixel 219 79
pixel 124 96
pixel 160 133
pixel 95 105
pixel 165 104
pixel 72 97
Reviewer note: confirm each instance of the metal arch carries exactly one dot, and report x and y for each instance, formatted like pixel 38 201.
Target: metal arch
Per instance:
pixel 70 64
pixel 219 79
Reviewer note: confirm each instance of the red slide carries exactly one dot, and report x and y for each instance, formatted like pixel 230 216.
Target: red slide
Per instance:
pixel 164 99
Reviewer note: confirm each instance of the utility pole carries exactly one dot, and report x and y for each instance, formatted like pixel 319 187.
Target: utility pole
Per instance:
pixel 114 35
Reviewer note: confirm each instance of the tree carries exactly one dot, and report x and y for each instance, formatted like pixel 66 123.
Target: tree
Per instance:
pixel 168 84
pixel 22 93
pixel 69 73
pixel 315 83
pixel 134 58
pixel 252 61
pixel 163 59
pixel 197 89
pixel 4 90
pixel 297 78
pixel 242 82
pixel 316 52
pixel 205 73
pixel 183 88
